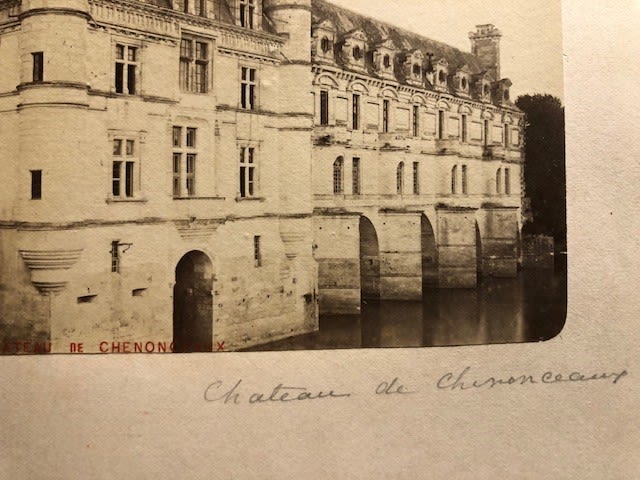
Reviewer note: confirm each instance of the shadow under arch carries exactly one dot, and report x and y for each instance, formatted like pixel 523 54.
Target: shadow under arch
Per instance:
pixel 478 252
pixel 369 261
pixel 429 250
pixel 193 304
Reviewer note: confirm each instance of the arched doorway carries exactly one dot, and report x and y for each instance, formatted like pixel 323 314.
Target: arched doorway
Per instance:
pixel 369 261
pixel 429 254
pixel 193 304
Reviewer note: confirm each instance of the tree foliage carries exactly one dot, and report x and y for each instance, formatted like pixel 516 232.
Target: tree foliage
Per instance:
pixel 544 168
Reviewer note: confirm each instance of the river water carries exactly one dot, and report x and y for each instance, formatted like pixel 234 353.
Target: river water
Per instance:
pixel 529 308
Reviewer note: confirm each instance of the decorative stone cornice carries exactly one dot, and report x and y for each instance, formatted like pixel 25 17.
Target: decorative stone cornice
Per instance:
pixel 198 230
pixel 48 268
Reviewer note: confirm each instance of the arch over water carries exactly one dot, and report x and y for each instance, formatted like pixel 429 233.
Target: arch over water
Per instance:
pixel 193 304
pixel 369 261
pixel 429 253
pixel 478 252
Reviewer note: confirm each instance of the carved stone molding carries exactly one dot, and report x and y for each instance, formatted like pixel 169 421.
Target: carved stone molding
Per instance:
pixel 48 268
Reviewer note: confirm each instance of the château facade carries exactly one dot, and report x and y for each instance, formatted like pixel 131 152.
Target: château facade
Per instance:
pixel 213 174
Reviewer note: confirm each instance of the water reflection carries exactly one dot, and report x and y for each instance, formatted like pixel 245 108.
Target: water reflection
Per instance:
pixel 529 308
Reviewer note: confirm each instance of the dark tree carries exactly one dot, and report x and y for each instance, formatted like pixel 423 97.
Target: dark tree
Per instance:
pixel 544 168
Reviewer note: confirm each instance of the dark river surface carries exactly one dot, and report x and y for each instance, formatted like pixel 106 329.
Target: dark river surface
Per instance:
pixel 529 308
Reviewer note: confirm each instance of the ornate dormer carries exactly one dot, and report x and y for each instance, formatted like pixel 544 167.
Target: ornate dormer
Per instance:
pixel 414 67
pixel 502 94
pixel 384 59
pixel 248 13
pixel 323 39
pixel 462 82
pixel 482 87
pixel 354 47
pixel 440 75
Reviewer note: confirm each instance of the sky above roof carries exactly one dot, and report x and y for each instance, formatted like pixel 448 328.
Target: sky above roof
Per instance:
pixel 531 45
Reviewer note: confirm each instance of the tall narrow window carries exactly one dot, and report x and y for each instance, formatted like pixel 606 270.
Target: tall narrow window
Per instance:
pixel 356 176
pixel 355 123
pixel 36 184
pixel 247 13
pixel 485 135
pixel 200 8
pixel 440 124
pixel 248 88
pixel 185 6
pixel 400 178
pixel 454 180
pixel 126 67
pixel 324 107
pixel 185 155
pixel 247 172
pixel 257 254
pixel 194 66
pixel 338 183
pixel 464 180
pixel 38 66
pixel 463 129
pixel 123 179
pixel 115 256
pixel 499 182
pixel 507 181
pixel 416 121
pixel 416 178
pixel 385 116
pixel 506 136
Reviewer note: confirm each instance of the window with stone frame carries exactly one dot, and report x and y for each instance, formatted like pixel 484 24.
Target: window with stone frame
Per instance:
pixel 38 66
pixel 126 69
pixel 248 88
pixel 465 180
pixel 416 178
pixel 194 65
pixel 499 181
pixel 125 166
pixel 507 181
pixel 355 172
pixel 247 13
pixel 356 119
pixel 324 107
pixel 184 161
pixel 248 174
pixel 338 176
pixel 400 178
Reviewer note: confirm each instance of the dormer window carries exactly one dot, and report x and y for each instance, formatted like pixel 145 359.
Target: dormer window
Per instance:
pixel 505 95
pixel 442 72
pixel 417 70
pixel 502 92
pixel 485 90
pixel 463 83
pixel 383 59
pixel 325 45
pixel 413 67
pixel 442 78
pixel 247 13
pixel 353 49
pixel 324 34
pixel 462 80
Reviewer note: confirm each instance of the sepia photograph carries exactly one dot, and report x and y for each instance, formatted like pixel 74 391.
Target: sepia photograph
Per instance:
pixel 214 176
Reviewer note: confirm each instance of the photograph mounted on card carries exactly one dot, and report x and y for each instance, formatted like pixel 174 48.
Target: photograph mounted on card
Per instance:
pixel 274 175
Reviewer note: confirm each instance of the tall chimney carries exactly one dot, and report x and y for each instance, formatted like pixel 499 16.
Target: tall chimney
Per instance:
pixel 485 44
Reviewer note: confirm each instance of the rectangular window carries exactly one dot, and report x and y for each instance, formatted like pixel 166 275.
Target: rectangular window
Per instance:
pixel 247 13
pixel 463 129
pixel 184 161
pixel 385 116
pixel 194 66
pixel 506 136
pixel 324 107
pixel 247 172
pixel 416 121
pixel 36 184
pixel 416 178
pixel 126 67
pixel 200 8
pixel 248 89
pixel 355 121
pixel 356 176
pixel 115 257
pixel 464 180
pixel 38 66
pixel 485 132
pixel 123 176
pixel 257 254
pixel 440 124
pixel 507 181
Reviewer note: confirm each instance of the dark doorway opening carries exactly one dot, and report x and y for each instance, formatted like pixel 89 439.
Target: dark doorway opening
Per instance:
pixel 429 254
pixel 369 261
pixel 193 304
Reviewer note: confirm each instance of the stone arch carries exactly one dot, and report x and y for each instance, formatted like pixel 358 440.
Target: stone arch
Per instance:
pixel 326 80
pixel 193 303
pixel 429 250
pixel 419 99
pixel 369 261
pixel 389 93
pixel 443 105
pixel 465 109
pixel 358 86
pixel 478 251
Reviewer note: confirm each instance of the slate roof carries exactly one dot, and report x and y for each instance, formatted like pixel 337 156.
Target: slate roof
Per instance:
pixel 377 31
